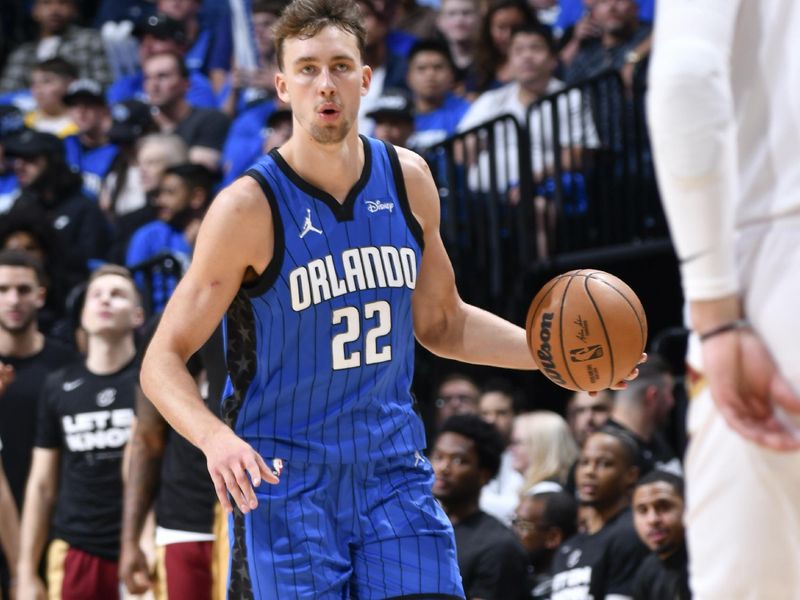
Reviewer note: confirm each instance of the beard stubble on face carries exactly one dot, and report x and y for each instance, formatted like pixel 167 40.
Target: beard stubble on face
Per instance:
pixel 331 134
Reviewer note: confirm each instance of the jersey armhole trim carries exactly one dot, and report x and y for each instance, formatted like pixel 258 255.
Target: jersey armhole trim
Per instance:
pixel 402 196
pixel 268 277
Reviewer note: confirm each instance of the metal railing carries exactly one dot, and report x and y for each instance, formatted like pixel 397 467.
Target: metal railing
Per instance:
pixel 589 186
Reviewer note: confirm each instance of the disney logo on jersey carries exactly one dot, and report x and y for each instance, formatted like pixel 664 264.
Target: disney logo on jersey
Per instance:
pixel 106 397
pixel 374 206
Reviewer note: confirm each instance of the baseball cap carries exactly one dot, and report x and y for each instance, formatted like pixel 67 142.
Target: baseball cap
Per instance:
pixel 130 121
pixel 11 121
pixel 392 104
pixel 161 27
pixel 84 89
pixel 29 143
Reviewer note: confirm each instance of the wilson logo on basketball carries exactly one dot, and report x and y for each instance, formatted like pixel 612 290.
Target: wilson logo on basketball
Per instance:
pixel 544 352
pixel 592 352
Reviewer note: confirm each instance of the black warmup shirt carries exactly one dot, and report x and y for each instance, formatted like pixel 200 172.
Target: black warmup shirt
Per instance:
pixel 88 418
pixel 18 409
pixel 589 567
pixel 659 579
pixel 493 563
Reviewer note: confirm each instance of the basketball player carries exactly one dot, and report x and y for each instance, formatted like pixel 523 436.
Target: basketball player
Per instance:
pixel 317 256
pixel 723 115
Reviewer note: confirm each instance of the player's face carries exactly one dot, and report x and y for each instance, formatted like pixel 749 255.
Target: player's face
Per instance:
pixel 658 517
pixel 498 409
pixel 172 198
pixel 430 76
pixel 586 414
pixel 530 58
pixel 459 20
pixel 455 463
pixel 111 306
pixel 529 525
pixel 323 80
pixel 603 474
pixel 21 297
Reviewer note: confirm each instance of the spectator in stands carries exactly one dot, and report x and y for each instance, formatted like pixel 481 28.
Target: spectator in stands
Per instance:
pixel 76 473
pixel 393 115
pixel 26 358
pixel 182 197
pixel 411 17
pixel 602 560
pixel 457 394
pixel 202 129
pixel 30 231
pixel 623 44
pixel 577 26
pixel 459 25
pixel 57 36
pixel 50 80
pixel 431 79
pixel 169 475
pixel 279 129
pixel 492 60
pixel 544 519
pixel 245 88
pixel 49 185
pixel 11 123
pixel 542 448
pixel 388 68
pixel 210 42
pixel 89 151
pixel 159 34
pixel 587 413
pixel 465 457
pixel 498 404
pixel 658 505
pixel 642 409
pixel 122 191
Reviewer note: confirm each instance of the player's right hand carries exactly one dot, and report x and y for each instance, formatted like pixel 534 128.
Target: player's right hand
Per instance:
pixel 750 391
pixel 235 468
pixel 133 569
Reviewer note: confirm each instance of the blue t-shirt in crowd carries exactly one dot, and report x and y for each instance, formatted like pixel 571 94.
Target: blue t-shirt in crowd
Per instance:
pixel 9 190
pixel 213 47
pixel 131 87
pixel 432 127
pixel 148 242
pixel 572 11
pixel 94 163
pixel 245 139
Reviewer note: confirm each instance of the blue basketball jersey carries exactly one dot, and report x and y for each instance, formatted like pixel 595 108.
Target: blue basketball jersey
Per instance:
pixel 321 347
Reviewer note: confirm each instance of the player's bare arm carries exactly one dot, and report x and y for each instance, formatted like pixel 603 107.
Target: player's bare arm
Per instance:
pixel 40 498
pixel 234 245
pixel 146 448
pixel 443 322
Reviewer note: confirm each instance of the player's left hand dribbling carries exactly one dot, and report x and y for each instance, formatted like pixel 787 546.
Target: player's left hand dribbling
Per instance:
pixel 235 469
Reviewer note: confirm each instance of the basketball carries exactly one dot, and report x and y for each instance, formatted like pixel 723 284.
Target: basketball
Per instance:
pixel 586 330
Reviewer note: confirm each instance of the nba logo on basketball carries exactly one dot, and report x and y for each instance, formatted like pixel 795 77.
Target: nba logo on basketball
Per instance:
pixel 588 353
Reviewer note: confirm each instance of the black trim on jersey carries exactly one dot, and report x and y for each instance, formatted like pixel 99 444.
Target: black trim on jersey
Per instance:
pixel 239 585
pixel 343 211
pixel 266 280
pixel 402 196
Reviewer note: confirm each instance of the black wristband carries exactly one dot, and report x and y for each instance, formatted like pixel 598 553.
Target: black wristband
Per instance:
pixel 724 328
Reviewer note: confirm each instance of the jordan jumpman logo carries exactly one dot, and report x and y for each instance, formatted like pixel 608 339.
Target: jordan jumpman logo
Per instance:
pixel 307 226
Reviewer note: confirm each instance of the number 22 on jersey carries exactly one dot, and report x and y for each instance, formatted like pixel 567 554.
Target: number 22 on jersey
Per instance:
pixel 381 313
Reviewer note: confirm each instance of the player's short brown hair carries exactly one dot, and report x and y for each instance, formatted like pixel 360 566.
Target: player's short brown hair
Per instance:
pixel 305 18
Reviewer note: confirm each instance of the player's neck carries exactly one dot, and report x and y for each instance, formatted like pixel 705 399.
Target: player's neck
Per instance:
pixel 22 344
pixel 109 353
pixel 334 168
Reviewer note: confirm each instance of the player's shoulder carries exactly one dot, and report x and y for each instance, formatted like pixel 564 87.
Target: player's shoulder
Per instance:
pixel 420 188
pixel 412 164
pixel 243 198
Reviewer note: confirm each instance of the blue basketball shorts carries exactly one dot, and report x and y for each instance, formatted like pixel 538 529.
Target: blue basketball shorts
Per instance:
pixel 362 531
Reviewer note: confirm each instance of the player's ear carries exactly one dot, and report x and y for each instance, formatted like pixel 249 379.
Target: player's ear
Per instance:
pixel 366 79
pixel 280 86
